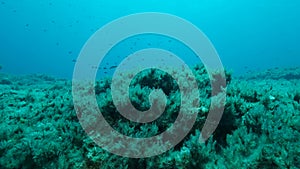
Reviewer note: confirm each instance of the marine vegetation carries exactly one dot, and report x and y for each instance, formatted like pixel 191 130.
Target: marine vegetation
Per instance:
pixel 260 127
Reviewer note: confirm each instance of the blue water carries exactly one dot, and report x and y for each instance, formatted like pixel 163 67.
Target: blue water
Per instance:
pixel 47 36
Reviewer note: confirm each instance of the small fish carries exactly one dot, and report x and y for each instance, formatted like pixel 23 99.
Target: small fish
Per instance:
pixel 94 67
pixel 74 60
pixel 113 67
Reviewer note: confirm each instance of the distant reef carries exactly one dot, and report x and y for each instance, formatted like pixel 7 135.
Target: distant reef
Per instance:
pixel 260 126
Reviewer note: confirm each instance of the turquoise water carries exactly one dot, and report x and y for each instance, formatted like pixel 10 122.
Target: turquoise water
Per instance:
pixel 49 120
pixel 46 36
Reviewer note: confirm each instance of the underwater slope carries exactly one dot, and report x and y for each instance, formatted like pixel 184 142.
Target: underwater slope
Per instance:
pixel 260 127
